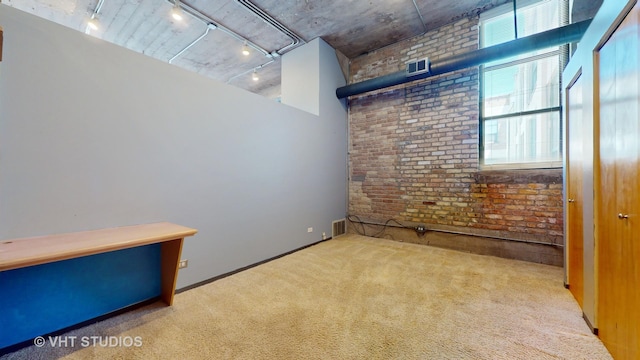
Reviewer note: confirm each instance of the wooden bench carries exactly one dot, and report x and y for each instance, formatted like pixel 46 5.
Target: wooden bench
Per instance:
pixel 25 252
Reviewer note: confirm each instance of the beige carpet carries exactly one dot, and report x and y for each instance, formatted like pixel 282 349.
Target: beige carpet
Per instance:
pixel 356 298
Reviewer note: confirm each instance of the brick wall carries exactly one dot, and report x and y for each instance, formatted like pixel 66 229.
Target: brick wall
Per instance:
pixel 414 151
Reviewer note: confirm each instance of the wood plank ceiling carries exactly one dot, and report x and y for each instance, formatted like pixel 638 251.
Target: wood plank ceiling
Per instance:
pixel 270 28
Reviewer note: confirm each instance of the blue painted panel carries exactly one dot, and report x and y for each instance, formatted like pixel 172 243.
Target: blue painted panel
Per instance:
pixel 41 299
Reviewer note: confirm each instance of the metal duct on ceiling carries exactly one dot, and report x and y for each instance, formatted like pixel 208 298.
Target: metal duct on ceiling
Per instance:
pixel 555 37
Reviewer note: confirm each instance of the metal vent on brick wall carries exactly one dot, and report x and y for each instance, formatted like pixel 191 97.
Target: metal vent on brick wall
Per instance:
pixel 338 227
pixel 418 67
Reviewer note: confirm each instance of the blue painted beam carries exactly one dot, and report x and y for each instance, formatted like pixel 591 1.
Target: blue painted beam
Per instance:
pixel 42 299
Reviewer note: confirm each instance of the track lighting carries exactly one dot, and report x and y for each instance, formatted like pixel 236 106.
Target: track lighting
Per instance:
pixel 245 49
pixel 254 76
pixel 93 22
pixel 176 12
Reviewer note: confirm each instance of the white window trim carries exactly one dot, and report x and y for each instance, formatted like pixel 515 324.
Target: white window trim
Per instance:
pixel 523 166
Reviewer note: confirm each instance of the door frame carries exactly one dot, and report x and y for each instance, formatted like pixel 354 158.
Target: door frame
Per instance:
pixel 567 174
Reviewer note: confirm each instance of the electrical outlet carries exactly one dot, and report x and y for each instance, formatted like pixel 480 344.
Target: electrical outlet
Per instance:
pixel 310 229
pixel 324 236
pixel 183 264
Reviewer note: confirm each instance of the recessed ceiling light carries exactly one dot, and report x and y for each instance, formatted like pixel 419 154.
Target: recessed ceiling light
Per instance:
pixel 245 50
pixel 254 76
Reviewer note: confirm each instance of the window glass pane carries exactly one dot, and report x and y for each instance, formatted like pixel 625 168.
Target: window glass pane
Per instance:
pixel 497 30
pixel 529 86
pixel 522 139
pixel 524 83
pixel 533 19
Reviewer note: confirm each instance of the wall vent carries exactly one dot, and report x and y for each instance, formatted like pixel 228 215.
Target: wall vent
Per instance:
pixel 418 67
pixel 338 227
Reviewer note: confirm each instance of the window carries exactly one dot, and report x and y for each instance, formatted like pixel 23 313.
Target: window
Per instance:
pixel 520 95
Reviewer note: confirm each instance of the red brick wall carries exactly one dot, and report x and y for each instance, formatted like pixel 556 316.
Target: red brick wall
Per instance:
pixel 414 150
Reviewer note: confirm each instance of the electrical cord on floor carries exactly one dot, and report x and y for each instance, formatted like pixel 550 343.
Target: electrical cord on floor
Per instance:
pixel 380 232
pixel 421 230
pixel 364 230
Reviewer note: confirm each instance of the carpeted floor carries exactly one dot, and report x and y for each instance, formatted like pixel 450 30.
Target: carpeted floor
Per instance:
pixel 355 298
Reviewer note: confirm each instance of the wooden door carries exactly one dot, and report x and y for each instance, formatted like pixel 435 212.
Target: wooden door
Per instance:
pixel 575 236
pixel 619 213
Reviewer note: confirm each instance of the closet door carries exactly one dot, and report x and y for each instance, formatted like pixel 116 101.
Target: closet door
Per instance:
pixel 575 236
pixel 619 211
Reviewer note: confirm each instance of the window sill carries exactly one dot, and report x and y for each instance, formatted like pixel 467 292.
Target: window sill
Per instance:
pixel 523 166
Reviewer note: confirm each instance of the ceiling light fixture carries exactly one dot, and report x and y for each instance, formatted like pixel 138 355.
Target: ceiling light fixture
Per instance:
pixel 176 12
pixel 245 49
pixel 254 76
pixel 93 22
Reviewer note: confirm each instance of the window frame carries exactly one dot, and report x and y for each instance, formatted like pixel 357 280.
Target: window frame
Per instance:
pixel 557 52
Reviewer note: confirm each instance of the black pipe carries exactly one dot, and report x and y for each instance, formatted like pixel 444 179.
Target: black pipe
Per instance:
pixel 515 19
pixel 555 37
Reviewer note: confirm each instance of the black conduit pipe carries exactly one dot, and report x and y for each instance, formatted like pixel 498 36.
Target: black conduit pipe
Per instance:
pixel 555 37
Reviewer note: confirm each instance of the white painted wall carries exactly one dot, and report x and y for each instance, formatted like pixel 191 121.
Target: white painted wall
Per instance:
pixel 94 136
pixel 310 76
pixel 300 79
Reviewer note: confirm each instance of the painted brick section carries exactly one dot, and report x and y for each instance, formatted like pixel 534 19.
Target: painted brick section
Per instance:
pixel 414 150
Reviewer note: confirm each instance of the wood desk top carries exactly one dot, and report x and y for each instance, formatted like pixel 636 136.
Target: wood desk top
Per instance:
pixel 23 252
